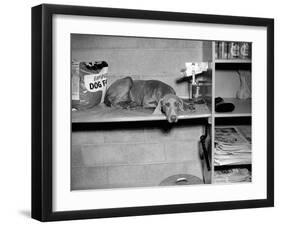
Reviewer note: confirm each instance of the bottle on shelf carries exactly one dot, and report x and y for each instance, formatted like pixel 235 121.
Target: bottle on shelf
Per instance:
pixel 232 50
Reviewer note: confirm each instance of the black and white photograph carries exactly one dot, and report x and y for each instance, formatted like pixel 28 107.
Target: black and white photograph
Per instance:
pixel 160 112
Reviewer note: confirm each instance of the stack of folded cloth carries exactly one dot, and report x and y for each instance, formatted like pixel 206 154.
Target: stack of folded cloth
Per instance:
pixel 231 147
pixel 232 175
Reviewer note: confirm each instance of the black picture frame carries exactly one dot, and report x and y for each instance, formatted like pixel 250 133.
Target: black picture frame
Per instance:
pixel 42 111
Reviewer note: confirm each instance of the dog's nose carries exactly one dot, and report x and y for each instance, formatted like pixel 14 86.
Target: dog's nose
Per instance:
pixel 173 118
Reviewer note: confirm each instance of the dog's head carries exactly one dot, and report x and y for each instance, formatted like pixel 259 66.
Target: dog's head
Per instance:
pixel 171 105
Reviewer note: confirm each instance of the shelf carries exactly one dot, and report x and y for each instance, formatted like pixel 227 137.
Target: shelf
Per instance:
pixel 233 61
pixel 233 165
pixel 243 108
pixel 102 113
pixel 224 167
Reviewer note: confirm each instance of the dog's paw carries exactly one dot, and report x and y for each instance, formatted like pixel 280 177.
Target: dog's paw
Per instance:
pixel 157 112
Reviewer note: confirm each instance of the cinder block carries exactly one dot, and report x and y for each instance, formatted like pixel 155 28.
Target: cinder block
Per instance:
pixel 181 151
pixel 155 173
pixel 88 137
pixel 124 136
pixel 77 178
pixel 176 133
pixel 105 154
pixel 190 132
pixel 76 157
pixel 195 168
pixel 124 176
pixel 145 153
pixel 88 178
pixel 155 134
pixel 75 148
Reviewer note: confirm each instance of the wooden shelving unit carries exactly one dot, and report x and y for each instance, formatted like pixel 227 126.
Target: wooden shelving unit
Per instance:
pixel 243 108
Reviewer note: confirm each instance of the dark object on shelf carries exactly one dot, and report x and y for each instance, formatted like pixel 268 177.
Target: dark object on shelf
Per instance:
pixel 205 151
pixel 218 100
pixel 97 66
pixel 181 179
pixel 224 107
pixel 221 106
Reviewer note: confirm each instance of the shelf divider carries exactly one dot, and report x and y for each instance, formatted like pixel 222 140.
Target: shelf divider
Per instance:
pixel 233 61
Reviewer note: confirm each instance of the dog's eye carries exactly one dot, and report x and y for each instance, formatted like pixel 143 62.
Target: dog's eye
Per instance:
pixel 176 104
pixel 167 104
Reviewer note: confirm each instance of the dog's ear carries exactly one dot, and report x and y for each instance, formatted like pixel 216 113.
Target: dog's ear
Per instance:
pixel 185 106
pixel 158 109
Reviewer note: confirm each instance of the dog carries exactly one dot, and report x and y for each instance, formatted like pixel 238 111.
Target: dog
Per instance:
pixel 127 93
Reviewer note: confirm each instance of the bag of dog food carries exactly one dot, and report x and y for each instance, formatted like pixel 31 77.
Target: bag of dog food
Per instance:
pixel 88 84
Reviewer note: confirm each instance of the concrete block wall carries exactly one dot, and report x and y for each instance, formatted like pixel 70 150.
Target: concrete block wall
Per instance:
pixel 133 157
pixel 141 58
